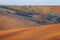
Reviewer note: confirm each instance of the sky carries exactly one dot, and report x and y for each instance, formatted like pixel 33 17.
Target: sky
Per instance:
pixel 29 2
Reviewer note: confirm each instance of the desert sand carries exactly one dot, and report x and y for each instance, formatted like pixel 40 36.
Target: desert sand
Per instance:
pixel 13 21
pixel 46 32
pixel 13 27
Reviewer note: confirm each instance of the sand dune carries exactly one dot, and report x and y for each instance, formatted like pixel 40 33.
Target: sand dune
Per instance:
pixel 45 9
pixel 13 21
pixel 47 32
pixel 13 25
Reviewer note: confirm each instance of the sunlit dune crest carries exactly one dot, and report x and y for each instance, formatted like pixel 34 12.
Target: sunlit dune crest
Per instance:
pixel 47 32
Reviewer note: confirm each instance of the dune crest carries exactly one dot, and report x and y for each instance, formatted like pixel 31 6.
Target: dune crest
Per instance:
pixel 47 32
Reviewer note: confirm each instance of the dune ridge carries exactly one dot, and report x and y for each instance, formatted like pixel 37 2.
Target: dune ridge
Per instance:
pixel 47 32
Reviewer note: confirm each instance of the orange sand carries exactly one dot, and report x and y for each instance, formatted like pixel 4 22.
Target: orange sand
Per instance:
pixel 47 32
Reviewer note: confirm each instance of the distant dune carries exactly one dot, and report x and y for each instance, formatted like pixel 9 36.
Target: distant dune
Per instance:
pixel 47 32
pixel 44 9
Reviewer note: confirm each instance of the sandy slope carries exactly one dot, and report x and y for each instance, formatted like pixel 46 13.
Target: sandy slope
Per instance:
pixel 13 21
pixel 47 32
